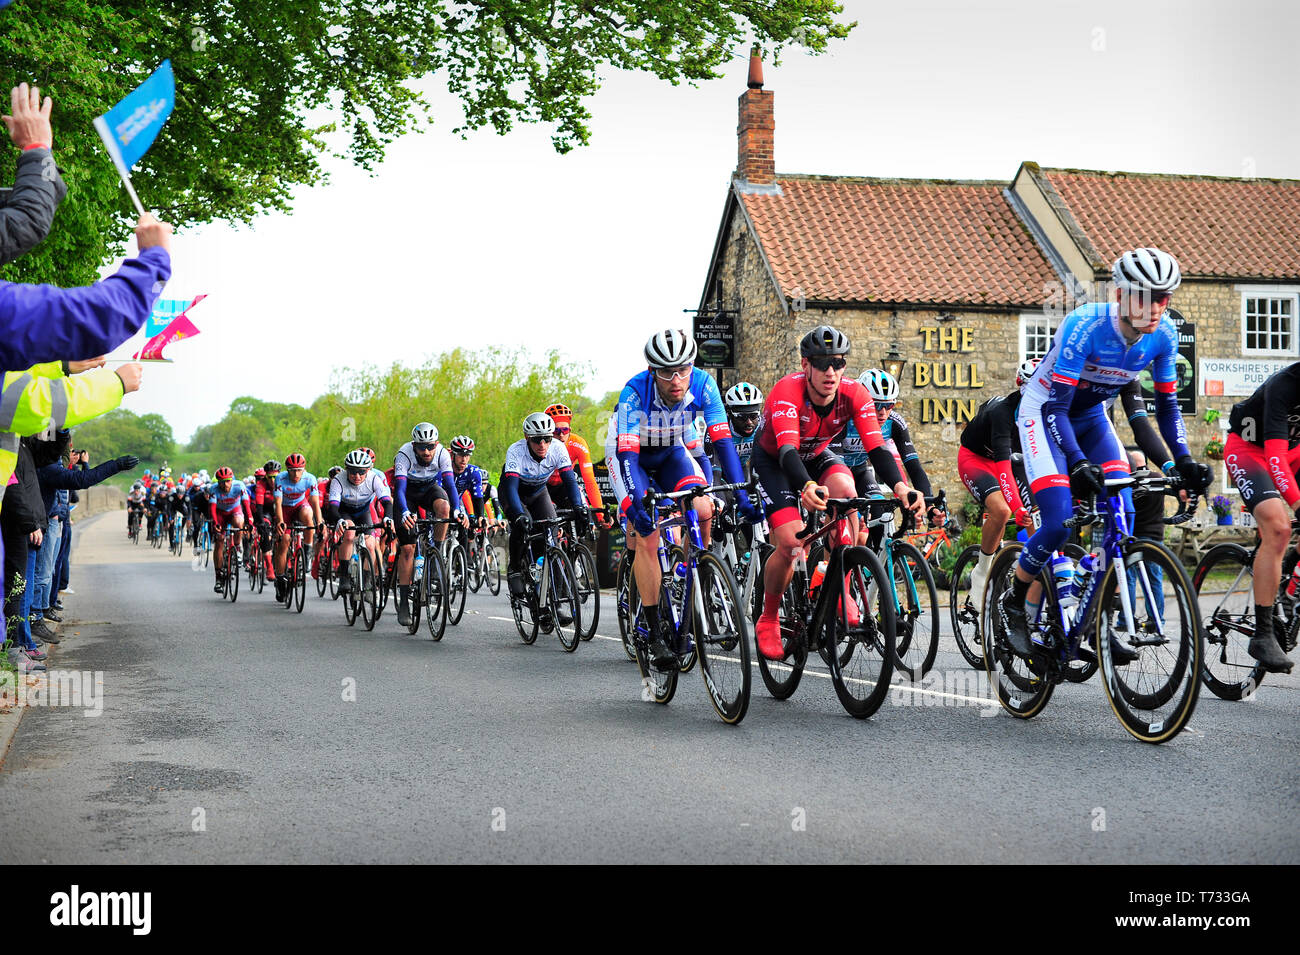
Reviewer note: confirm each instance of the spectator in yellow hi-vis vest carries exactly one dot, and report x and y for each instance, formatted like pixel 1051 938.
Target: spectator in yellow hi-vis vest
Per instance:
pixel 57 394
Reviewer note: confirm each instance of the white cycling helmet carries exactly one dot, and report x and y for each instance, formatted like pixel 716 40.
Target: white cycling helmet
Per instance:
pixel 539 425
pixel 1146 270
pixel 1026 370
pixel 424 433
pixel 357 460
pixel 880 385
pixel 669 348
pixel 743 395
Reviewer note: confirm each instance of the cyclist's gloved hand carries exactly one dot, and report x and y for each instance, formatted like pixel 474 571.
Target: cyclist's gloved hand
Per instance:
pixel 127 462
pixel 1022 517
pixel 745 507
pixel 581 523
pixel 1086 479
pixel 524 522
pixel 1196 477
pixel 641 522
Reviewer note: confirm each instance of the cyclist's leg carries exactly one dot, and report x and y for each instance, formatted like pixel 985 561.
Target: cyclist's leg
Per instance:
pixel 439 509
pixel 980 477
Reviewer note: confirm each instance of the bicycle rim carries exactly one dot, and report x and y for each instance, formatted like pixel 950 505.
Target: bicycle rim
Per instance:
pixel 1019 691
pixel 1155 695
pixel 916 609
pixel 861 630
pixel 562 599
pixel 963 608
pixel 435 593
pixel 457 584
pixel 781 677
pixel 722 639
pixel 584 570
pixel 1224 583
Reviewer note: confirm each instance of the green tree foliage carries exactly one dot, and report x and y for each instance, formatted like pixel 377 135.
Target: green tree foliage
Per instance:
pixel 485 394
pixel 240 441
pixel 123 432
pixel 249 73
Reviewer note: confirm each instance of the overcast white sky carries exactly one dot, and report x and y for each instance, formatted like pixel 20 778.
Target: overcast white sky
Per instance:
pixel 501 240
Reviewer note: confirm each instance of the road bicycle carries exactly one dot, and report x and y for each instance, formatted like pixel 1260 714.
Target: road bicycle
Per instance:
pixel 549 599
pixel 700 612
pixel 584 568
pixel 230 563
pixel 156 532
pixel 1153 615
pixel 177 538
pixel 366 575
pixel 1228 617
pixel 295 567
pixel 913 592
pixel 323 568
pixel 202 541
pixel 255 561
pixel 429 585
pixel 133 526
pixel 936 544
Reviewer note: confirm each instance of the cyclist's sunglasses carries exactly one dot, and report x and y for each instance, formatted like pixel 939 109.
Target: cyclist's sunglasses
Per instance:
pixel 1155 298
pixel 885 405
pixel 682 373
pixel 358 472
pixel 745 416
pixel 424 447
pixel 543 440
pixel 559 431
pixel 823 362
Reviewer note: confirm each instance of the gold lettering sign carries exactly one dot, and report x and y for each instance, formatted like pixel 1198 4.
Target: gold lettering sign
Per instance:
pixel 947 374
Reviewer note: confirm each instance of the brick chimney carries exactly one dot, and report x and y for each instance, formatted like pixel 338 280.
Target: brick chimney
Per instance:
pixel 755 132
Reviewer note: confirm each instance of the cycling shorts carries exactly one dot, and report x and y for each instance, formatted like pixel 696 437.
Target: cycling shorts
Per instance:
pixel 780 500
pixel 978 473
pixel 661 469
pixel 226 518
pixel 1247 465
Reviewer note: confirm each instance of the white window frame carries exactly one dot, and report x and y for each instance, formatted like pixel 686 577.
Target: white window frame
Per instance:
pixel 1291 292
pixel 1053 322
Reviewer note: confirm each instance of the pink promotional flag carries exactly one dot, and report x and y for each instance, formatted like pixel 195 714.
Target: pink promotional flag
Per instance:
pixel 180 327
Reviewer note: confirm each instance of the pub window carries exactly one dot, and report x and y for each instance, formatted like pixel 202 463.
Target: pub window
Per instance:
pixel 1036 330
pixel 1268 322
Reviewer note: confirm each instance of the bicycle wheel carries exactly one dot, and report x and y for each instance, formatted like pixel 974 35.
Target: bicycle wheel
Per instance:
pixel 457 583
pixel 474 566
pixel 232 571
pixel 963 608
pixel 562 598
pixel 1224 584
pixel 300 580
pixel 626 602
pixel 369 597
pixel 1019 691
pixel 320 563
pixel 861 629
pixel 657 685
pixel 916 607
pixel 722 638
pixel 1155 695
pixel 435 594
pixel 492 574
pixel 781 677
pixel 584 572
pixel 350 598
pixel 207 548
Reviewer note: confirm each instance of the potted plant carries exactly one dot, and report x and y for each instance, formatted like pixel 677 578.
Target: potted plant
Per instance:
pixel 1214 449
pixel 1222 508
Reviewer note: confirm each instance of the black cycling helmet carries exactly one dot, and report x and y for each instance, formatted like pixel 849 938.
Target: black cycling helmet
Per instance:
pixel 271 465
pixel 824 340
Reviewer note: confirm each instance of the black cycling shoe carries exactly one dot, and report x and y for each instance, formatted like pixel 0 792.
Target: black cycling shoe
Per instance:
pixel 662 656
pixel 279 589
pixel 1264 648
pixel 1016 623
pixel 1121 654
pixel 345 584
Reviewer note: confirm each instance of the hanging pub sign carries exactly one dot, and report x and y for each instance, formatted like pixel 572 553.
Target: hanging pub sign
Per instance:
pixel 715 339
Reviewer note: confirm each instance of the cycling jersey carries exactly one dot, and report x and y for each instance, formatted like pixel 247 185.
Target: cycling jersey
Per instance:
pixel 580 458
pixel 422 478
pixel 987 443
pixel 227 502
pixel 292 495
pixel 523 474
pixel 469 487
pixel 1269 419
pixel 354 501
pixel 898 441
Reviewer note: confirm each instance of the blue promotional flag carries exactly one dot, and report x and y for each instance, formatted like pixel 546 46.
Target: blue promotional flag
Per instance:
pixel 130 127
pixel 164 310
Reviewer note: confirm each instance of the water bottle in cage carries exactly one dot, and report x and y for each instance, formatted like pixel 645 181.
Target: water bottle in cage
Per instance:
pixel 1063 575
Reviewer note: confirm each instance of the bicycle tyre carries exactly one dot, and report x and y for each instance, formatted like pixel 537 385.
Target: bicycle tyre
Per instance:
pixel 562 598
pixel 584 570
pixel 1019 691
pixel 369 596
pixel 232 571
pixel 722 639
pixel 863 654
pixel 657 685
pixel 457 583
pixel 917 616
pixel 300 580
pixel 493 564
pixel 435 594
pixel 626 603
pixel 1140 704
pixel 474 567
pixel 320 561
pixel 1229 672
pixel 350 598
pixel 781 677
pixel 963 608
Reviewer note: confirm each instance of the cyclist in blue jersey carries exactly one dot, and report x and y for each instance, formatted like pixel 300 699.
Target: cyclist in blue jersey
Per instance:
pixel 469 478
pixel 646 450
pixel 297 500
pixel 1066 436
pixel 744 407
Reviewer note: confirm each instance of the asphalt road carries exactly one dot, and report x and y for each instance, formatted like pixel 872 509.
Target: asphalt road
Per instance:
pixel 225 737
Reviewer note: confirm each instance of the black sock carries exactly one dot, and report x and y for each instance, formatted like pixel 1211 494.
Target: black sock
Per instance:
pixel 1019 590
pixel 652 619
pixel 1263 621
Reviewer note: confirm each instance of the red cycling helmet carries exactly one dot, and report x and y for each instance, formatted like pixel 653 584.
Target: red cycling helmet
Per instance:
pixel 295 460
pixel 560 411
pixel 260 472
pixel 370 452
pixel 225 474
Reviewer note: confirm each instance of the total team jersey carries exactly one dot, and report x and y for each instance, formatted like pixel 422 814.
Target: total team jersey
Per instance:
pixel 642 422
pixel 1089 361
pixel 292 495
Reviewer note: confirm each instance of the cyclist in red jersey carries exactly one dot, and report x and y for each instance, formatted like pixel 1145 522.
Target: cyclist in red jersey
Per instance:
pixel 580 457
pixel 801 416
